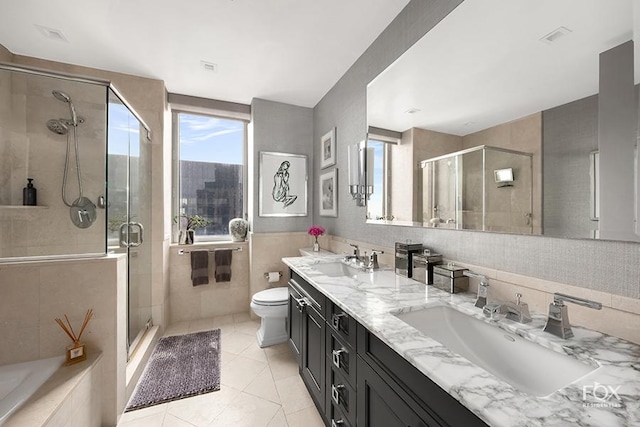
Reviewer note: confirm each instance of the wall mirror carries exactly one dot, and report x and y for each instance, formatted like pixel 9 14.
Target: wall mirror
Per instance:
pixel 524 121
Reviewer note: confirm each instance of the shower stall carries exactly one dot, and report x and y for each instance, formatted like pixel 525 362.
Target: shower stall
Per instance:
pixel 88 154
pixel 481 188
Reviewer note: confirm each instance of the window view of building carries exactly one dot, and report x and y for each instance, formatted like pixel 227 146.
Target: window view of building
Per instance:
pixel 211 171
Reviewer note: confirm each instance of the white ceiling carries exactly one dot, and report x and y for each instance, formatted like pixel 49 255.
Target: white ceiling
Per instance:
pixel 290 51
pixel 471 73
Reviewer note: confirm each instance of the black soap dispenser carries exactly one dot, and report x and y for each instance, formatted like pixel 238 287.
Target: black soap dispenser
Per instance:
pixel 29 194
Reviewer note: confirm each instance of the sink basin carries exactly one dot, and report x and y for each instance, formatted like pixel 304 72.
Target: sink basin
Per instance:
pixel 336 269
pixel 525 365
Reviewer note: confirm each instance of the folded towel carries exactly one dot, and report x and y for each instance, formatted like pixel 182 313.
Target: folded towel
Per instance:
pixel 199 267
pixel 223 265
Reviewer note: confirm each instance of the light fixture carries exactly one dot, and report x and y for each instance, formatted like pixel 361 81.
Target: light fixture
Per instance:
pixel 504 177
pixel 360 182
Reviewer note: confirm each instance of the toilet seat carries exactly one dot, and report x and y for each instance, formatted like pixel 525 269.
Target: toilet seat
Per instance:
pixel 271 297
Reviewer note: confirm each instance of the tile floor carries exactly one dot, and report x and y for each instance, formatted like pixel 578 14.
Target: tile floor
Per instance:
pixel 259 387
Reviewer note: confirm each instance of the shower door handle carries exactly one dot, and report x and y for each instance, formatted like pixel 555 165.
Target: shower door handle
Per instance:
pixel 127 230
pixel 139 235
pixel 124 235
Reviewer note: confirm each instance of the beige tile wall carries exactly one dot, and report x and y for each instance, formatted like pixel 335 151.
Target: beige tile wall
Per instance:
pixel 267 251
pixel 34 294
pixel 29 149
pixel 188 302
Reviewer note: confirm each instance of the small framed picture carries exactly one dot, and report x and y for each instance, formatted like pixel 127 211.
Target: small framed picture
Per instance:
pixel 329 193
pixel 328 147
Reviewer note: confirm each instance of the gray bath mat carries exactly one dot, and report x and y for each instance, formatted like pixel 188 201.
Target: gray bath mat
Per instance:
pixel 180 366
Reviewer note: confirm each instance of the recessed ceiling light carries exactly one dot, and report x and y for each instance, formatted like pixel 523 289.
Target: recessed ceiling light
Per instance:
pixel 412 110
pixel 556 34
pixel 209 66
pixel 52 33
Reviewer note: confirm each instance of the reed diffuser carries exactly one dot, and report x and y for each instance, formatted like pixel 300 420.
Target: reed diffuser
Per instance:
pixel 76 352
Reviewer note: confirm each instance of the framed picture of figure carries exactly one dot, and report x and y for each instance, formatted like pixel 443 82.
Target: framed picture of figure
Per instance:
pixel 329 193
pixel 283 184
pixel 328 149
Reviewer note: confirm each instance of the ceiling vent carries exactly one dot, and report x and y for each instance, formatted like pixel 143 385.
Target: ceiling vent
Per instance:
pixel 209 66
pixel 412 110
pixel 52 33
pixel 555 35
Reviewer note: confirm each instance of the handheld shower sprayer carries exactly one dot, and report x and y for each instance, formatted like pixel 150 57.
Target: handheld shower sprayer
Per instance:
pixel 61 96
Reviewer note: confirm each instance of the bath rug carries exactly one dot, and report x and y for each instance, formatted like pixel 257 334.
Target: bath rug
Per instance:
pixel 180 366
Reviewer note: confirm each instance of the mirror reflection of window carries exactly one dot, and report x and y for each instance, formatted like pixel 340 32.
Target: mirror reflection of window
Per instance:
pixel 376 206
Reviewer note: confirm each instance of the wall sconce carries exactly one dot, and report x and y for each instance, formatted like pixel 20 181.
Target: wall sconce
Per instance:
pixel 360 182
pixel 504 177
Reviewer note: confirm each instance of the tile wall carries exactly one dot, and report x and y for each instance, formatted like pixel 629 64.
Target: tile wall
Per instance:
pixel 34 294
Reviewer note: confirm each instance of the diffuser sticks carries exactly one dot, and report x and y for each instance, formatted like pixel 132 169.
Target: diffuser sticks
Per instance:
pixel 76 352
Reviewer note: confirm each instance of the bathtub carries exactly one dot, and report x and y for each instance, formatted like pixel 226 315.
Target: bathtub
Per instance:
pixel 21 380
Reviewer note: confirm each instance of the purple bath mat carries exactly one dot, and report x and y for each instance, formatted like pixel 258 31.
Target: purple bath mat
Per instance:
pixel 180 366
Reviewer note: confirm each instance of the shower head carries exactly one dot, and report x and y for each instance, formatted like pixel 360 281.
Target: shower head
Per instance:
pixel 61 96
pixel 58 126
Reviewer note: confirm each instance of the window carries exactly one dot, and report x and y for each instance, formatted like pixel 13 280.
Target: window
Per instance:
pixel 376 206
pixel 209 167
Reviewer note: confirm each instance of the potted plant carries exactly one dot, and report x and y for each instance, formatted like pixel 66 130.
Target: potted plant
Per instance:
pixel 192 223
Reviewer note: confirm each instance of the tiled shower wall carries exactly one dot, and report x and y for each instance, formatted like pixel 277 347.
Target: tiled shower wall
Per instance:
pixel 30 149
pixel 606 266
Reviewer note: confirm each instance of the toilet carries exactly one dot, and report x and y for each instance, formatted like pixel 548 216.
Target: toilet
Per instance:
pixel 271 306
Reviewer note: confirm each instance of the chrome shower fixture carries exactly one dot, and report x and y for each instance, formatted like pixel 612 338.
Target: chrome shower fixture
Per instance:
pixel 58 126
pixel 61 96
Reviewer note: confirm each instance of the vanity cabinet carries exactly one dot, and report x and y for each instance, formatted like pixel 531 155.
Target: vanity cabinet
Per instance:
pixel 354 378
pixel 392 392
pixel 307 335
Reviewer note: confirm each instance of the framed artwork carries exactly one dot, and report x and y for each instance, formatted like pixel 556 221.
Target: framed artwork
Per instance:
pixel 328 149
pixel 329 193
pixel 283 184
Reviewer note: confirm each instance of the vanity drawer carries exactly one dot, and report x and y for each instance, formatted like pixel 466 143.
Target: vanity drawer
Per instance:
pixel 342 323
pixel 336 417
pixel 341 356
pixel 317 298
pixel 342 395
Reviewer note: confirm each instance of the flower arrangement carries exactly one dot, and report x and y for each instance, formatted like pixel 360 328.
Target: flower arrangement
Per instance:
pixel 316 231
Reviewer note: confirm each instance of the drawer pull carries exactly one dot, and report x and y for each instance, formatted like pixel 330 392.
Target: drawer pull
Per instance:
pixel 335 393
pixel 336 356
pixel 301 303
pixel 336 423
pixel 335 320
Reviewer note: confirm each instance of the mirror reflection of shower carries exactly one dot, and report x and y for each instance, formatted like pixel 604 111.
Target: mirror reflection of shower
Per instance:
pixel 83 211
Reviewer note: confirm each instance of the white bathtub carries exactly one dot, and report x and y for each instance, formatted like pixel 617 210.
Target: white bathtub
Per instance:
pixel 21 380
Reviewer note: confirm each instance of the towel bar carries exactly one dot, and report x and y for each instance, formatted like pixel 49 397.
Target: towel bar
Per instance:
pixel 182 251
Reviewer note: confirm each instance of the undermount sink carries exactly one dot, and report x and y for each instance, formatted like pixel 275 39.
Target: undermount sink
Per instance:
pixel 336 269
pixel 527 366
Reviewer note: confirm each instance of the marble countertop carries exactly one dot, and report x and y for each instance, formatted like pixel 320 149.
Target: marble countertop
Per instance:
pixel 372 298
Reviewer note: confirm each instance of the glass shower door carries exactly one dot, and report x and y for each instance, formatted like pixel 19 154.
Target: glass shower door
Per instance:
pixel 129 213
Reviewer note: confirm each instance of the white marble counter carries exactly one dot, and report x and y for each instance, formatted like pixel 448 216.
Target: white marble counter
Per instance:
pixel 371 298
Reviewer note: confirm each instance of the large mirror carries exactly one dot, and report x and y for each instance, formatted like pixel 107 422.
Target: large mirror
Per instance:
pixel 518 117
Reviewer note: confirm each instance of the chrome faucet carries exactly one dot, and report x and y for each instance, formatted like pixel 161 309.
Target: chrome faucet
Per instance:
pixel 516 310
pixel 356 254
pixel 558 319
pixel 481 300
pixel 373 260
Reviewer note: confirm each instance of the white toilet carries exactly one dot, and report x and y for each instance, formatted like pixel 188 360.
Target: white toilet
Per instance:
pixel 271 306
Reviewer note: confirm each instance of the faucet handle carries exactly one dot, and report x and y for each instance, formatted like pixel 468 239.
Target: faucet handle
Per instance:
pixel 518 296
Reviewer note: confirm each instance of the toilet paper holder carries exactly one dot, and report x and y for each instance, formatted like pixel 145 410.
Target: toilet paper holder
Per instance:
pixel 266 275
